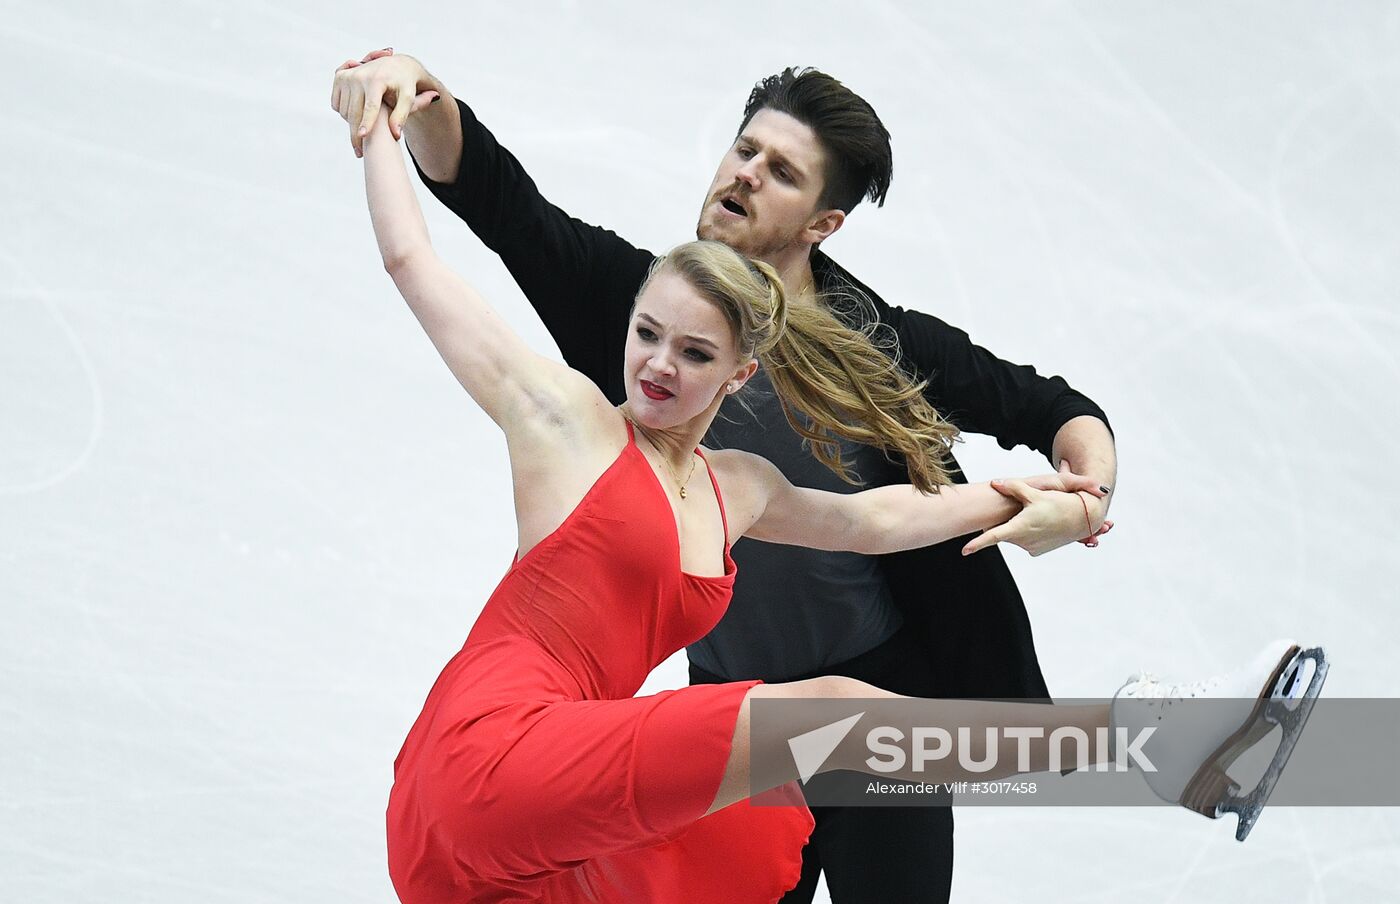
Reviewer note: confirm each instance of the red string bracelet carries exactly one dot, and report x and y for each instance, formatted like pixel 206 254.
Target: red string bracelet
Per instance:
pixel 1087 523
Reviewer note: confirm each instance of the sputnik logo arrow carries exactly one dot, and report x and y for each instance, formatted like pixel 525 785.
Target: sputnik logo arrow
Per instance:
pixel 810 749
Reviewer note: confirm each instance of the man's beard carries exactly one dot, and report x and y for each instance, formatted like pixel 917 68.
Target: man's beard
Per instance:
pixel 744 243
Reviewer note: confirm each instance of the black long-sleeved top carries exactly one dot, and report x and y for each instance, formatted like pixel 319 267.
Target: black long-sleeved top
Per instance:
pixel 582 279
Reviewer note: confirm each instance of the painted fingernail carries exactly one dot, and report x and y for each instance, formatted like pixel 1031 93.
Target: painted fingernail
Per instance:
pixel 1104 489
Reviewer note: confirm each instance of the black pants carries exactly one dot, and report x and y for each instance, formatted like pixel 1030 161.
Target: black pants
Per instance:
pixel 876 855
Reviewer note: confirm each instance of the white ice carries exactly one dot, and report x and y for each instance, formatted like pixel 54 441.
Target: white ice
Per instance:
pixel 246 514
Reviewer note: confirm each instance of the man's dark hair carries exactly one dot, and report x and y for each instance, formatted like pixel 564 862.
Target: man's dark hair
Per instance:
pixel 860 163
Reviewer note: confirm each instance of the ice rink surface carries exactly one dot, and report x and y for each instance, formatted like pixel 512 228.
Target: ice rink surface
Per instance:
pixel 246 514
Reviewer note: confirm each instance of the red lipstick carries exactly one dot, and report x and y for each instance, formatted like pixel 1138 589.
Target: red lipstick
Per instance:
pixel 652 391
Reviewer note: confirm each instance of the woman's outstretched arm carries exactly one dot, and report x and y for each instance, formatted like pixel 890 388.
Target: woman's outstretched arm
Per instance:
pixel 1037 514
pixel 503 376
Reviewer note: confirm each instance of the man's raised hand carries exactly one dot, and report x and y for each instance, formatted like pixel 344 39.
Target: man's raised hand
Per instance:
pixel 380 77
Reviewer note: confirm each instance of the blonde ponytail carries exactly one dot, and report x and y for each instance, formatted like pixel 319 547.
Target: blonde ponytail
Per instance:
pixel 834 382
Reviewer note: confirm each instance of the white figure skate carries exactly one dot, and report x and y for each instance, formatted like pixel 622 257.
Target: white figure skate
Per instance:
pixel 1194 745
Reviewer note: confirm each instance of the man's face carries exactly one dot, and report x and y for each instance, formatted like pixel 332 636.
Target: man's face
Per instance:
pixel 764 195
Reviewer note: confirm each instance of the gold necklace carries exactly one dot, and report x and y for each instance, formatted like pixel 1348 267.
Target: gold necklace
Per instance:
pixel 680 484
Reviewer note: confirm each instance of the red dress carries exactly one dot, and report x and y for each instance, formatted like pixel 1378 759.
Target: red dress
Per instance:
pixel 534 774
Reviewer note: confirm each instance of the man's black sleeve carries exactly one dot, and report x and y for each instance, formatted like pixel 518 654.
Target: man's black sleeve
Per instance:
pixel 972 388
pixel 581 279
pixel 979 392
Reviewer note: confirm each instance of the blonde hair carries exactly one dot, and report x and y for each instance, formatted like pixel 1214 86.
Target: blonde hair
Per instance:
pixel 836 376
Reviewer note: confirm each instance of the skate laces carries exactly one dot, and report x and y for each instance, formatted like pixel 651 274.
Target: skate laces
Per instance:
pixel 1152 690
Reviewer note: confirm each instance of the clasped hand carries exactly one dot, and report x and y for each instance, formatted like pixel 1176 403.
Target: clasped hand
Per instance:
pixel 1055 510
pixel 360 86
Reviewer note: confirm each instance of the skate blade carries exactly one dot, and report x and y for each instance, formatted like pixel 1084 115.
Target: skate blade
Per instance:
pixel 1285 707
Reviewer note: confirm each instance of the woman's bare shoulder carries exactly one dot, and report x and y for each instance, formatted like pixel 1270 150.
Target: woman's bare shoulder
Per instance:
pixel 747 481
pixel 739 464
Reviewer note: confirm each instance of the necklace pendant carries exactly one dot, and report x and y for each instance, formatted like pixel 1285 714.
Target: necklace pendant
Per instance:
pixel 682 492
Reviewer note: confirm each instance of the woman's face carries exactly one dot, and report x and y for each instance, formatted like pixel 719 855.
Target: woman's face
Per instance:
pixel 680 355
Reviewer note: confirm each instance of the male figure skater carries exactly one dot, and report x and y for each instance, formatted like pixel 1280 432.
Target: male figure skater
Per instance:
pixel 807 151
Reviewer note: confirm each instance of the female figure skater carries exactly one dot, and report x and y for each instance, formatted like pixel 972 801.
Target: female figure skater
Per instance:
pixel 533 773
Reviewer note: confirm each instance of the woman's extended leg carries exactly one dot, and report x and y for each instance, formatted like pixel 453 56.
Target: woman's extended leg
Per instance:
pixel 1198 741
pixel 965 721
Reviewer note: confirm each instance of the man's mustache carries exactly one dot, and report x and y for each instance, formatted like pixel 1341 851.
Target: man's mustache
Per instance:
pixel 738 190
